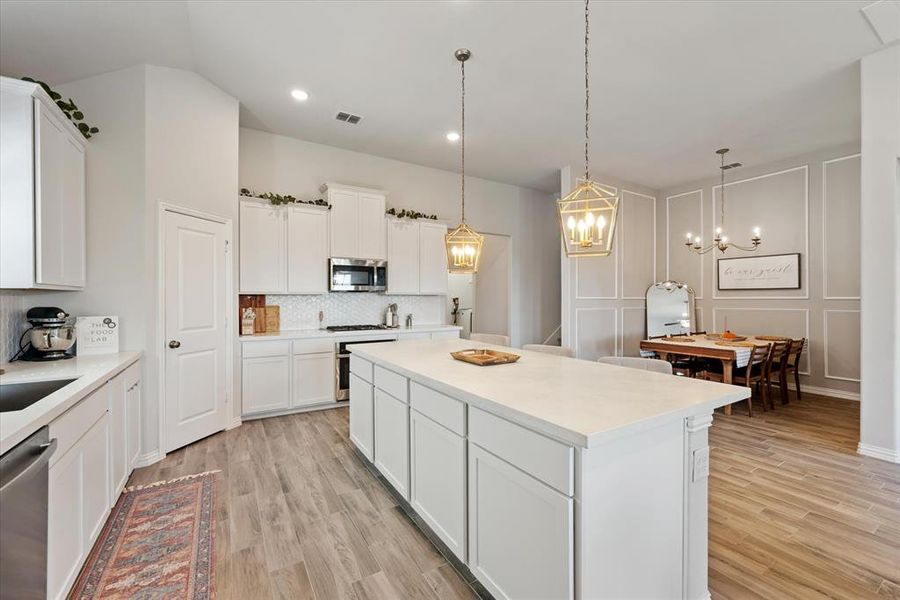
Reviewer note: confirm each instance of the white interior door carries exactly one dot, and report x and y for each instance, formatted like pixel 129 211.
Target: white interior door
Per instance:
pixel 195 327
pixel 491 314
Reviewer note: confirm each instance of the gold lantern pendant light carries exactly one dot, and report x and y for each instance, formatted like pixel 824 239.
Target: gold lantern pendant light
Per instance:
pixel 463 243
pixel 587 216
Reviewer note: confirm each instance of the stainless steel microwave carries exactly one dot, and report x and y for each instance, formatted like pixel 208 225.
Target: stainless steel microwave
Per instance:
pixel 357 275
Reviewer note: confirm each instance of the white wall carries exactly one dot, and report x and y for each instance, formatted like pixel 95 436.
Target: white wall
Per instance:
pixel 880 273
pixel 807 204
pixel 274 163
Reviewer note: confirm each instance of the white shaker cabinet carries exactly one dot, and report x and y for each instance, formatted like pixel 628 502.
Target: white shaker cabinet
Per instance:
pixel 362 415
pixel 402 256
pixel 313 379
pixel 265 377
pixel 432 258
pixel 133 414
pixel 357 221
pixel 119 465
pixel 262 248
pixel 42 216
pixel 521 541
pixel 307 250
pixel 438 480
pixel 392 440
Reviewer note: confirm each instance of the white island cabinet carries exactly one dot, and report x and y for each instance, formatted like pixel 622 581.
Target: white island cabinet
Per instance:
pixel 543 486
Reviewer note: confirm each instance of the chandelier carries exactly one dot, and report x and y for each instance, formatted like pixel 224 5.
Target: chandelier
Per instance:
pixel 720 242
pixel 587 215
pixel 463 243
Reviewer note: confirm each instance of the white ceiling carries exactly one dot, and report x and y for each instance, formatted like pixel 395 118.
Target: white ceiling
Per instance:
pixel 671 81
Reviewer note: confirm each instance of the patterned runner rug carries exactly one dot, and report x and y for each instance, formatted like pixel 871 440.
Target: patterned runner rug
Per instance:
pixel 158 542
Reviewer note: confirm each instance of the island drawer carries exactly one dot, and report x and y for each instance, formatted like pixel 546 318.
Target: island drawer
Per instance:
pixel 392 383
pixel 312 346
pixel 547 460
pixel 72 424
pixel 361 368
pixel 440 408
pixel 257 349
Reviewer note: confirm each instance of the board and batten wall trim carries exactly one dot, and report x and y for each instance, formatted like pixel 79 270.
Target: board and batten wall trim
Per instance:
pixel 597 290
pixel 820 207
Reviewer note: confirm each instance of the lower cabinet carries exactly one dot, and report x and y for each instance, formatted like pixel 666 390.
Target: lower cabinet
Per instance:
pixel 362 416
pixel 521 538
pixel 438 480
pixel 133 414
pixel 78 502
pixel 392 440
pixel 313 379
pixel 119 464
pixel 266 384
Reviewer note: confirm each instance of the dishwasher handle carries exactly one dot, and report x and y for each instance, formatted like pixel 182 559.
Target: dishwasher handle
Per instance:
pixel 37 461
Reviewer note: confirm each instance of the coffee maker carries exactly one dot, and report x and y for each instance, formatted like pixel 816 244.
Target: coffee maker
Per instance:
pixel 50 334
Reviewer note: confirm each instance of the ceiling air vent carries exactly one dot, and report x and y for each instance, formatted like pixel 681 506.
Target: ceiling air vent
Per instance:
pixel 348 118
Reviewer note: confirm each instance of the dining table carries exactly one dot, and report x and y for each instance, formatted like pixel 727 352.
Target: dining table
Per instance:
pixel 733 354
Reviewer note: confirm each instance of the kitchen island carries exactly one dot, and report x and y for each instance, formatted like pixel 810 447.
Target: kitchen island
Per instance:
pixel 547 478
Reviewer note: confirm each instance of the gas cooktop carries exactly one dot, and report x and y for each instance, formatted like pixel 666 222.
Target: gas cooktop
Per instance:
pixel 356 327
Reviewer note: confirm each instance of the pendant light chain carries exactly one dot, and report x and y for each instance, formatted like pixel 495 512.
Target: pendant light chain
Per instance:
pixel 463 140
pixel 587 89
pixel 722 189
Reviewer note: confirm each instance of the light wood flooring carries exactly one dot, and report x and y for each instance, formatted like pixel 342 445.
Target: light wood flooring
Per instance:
pixel 794 511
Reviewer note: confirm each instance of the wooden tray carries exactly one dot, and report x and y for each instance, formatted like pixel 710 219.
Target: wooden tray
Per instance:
pixel 485 357
pixel 718 336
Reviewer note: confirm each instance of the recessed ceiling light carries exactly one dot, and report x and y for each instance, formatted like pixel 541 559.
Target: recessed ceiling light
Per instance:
pixel 299 95
pixel 452 136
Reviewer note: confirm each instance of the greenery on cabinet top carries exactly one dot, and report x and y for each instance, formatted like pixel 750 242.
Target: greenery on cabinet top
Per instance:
pixel 407 213
pixel 279 199
pixel 70 109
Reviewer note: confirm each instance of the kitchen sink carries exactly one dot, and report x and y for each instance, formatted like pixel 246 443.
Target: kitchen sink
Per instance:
pixel 16 396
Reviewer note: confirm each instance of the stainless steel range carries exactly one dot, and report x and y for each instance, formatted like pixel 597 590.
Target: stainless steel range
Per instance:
pixel 342 355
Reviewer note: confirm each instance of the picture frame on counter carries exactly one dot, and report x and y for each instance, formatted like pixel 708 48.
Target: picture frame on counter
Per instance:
pixel 767 272
pixel 97 335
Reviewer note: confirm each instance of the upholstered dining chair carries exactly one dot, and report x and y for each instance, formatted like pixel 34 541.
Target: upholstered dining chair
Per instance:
pixel 647 364
pixel 547 349
pixel 490 338
pixel 753 373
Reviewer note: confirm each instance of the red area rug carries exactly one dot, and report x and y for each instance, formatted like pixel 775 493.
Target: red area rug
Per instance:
pixel 159 542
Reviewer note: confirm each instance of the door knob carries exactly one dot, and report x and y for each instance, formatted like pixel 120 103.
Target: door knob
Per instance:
pixel 174 344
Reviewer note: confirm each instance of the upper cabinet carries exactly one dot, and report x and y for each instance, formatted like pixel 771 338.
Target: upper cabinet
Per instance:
pixel 42 213
pixel 417 260
pixel 284 249
pixel 357 222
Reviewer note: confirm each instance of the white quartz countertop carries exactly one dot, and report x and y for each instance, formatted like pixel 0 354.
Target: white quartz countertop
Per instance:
pixel 91 373
pixel 582 402
pixel 300 334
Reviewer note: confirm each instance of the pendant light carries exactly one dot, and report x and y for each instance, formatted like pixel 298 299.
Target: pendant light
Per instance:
pixel 587 215
pixel 720 242
pixel 463 243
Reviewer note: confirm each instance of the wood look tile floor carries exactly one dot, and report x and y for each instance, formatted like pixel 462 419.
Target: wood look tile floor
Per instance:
pixel 794 511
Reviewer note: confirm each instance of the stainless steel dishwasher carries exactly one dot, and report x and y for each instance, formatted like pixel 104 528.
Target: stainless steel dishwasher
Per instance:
pixel 24 475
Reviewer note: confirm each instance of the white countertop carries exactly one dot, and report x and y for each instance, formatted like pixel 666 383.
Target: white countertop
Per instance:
pixel 581 402
pixel 91 372
pixel 299 334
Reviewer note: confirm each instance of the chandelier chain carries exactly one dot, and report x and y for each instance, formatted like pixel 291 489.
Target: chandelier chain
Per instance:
pixel 463 142
pixel 587 89
pixel 722 193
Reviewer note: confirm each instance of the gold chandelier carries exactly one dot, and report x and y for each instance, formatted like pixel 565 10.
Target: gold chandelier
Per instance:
pixel 587 215
pixel 720 242
pixel 463 243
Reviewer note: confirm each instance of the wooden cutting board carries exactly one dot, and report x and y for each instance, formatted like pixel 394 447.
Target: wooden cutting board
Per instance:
pixel 272 318
pixel 485 357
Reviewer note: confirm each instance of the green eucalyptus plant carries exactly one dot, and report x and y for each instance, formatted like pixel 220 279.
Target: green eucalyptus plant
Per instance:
pixel 280 199
pixel 70 109
pixel 406 213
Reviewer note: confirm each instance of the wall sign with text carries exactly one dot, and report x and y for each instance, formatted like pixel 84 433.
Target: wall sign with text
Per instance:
pixel 770 272
pixel 97 335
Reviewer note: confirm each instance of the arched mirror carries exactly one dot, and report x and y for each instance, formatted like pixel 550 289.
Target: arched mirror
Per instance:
pixel 670 309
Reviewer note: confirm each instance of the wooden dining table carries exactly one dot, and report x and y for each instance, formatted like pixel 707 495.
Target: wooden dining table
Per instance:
pixel 732 356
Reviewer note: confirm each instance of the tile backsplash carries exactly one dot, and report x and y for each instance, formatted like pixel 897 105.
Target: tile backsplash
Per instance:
pixel 302 312
pixel 12 322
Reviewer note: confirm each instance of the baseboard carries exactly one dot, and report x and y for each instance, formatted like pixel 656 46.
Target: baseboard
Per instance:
pixel 145 460
pixel 235 422
pixel 820 391
pixel 886 454
pixel 294 411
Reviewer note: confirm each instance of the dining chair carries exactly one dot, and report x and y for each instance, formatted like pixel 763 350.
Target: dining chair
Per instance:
pixel 793 365
pixel 490 338
pixel 547 349
pixel 775 369
pixel 647 364
pixel 753 373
